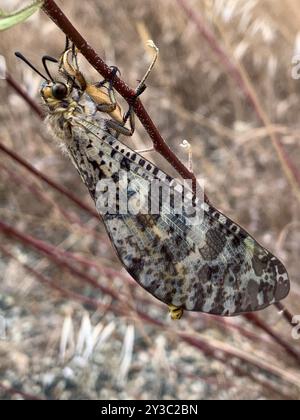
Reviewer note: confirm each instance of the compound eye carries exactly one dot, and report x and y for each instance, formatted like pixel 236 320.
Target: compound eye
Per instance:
pixel 59 91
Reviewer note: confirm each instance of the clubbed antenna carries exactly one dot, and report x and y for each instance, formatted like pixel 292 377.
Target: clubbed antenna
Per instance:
pixel 44 61
pixel 21 56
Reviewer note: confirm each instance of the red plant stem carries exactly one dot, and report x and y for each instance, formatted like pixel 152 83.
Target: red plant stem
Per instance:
pixel 58 17
pixel 236 74
pixel 71 217
pixel 224 355
pixel 254 319
pixel 49 181
pixel 109 272
pixel 21 92
pixel 46 281
pixel 25 395
pixel 226 324
pixel 35 191
pixel 55 255
pixel 204 346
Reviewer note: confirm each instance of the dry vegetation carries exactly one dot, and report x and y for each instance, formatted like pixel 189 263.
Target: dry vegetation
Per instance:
pixel 118 343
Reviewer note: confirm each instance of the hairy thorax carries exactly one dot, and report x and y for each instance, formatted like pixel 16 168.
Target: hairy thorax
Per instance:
pixel 62 115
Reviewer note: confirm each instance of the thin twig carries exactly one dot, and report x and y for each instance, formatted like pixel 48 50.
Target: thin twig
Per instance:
pixel 42 195
pixel 62 258
pixel 23 94
pixel 224 353
pixel 49 181
pixel 37 192
pixel 254 319
pixel 55 255
pixel 285 313
pixel 50 283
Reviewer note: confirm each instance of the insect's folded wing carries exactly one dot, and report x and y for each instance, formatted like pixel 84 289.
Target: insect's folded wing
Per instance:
pixel 204 262
pixel 201 266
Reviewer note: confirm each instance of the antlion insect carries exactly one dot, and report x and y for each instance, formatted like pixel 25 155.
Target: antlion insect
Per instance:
pixel 195 259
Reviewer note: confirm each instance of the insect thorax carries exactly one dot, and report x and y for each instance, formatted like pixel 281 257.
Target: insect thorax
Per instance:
pixel 61 115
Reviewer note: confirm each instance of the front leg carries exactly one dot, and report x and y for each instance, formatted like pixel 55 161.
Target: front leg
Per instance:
pixel 120 128
pixel 139 90
pixel 114 123
pixel 104 97
pixel 107 108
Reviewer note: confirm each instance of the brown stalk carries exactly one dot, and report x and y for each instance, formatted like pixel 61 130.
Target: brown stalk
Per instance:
pixel 55 255
pixel 17 158
pixel 42 196
pixel 23 94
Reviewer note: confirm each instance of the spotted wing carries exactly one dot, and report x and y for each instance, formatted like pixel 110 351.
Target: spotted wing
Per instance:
pixel 209 265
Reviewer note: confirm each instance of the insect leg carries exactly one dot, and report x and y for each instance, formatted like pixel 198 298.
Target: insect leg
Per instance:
pixel 130 113
pixel 148 150
pixel 120 128
pixel 115 125
pixel 74 56
pixel 139 90
pixel 109 81
pixel 109 107
pixel 67 45
pixel 186 145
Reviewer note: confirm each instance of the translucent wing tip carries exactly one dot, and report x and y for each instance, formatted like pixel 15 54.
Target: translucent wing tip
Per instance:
pixel 282 288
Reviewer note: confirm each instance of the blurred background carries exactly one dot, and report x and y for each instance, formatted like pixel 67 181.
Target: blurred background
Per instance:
pixel 73 323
